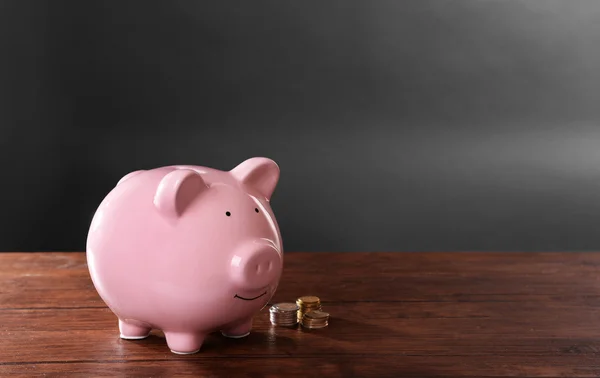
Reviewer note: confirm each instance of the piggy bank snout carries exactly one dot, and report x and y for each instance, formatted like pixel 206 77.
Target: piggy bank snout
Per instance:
pixel 255 265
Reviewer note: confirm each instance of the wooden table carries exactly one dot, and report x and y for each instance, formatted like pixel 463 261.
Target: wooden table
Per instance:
pixel 392 315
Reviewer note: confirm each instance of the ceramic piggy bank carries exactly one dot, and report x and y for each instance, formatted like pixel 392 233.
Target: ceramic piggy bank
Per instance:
pixel 188 250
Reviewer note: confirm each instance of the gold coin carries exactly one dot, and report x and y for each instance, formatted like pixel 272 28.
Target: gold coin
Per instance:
pixel 312 305
pixel 308 323
pixel 316 315
pixel 308 300
pixel 314 326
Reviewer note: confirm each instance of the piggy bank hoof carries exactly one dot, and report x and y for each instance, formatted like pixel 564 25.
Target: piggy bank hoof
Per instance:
pixel 184 343
pixel 125 337
pixel 178 352
pixel 235 336
pixel 133 332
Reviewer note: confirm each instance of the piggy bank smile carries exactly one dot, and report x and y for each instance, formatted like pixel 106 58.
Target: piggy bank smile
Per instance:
pixel 250 299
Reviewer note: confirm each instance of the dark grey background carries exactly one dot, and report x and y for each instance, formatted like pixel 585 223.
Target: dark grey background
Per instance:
pixel 398 125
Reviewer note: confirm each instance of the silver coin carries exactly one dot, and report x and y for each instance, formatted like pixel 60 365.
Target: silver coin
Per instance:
pixel 286 307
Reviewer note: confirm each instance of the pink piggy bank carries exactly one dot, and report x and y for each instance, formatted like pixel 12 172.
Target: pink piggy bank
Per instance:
pixel 188 250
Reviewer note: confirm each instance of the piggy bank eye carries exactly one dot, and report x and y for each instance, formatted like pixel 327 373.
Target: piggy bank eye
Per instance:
pixel 255 209
pixel 228 213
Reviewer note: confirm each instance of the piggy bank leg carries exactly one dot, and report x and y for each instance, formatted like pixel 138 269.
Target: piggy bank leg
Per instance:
pixel 184 342
pixel 238 330
pixel 133 331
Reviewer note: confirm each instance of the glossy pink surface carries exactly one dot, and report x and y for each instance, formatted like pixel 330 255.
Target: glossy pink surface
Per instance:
pixel 188 250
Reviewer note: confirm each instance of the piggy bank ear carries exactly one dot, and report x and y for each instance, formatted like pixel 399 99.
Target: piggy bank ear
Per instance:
pixel 128 176
pixel 262 174
pixel 177 190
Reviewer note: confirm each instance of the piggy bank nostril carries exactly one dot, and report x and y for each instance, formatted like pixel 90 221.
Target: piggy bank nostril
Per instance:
pixel 255 266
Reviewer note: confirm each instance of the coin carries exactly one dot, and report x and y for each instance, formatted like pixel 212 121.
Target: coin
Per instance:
pixel 307 303
pixel 284 314
pixel 316 315
pixel 315 319
pixel 286 307
pixel 308 300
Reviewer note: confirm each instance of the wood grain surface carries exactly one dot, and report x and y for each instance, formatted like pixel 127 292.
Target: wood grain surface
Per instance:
pixel 392 315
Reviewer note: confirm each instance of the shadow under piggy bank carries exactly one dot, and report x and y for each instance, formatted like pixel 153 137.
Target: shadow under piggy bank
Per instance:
pixel 335 351
pixel 256 343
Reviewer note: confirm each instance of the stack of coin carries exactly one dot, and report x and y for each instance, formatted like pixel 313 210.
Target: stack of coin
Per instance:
pixel 315 319
pixel 306 304
pixel 284 314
